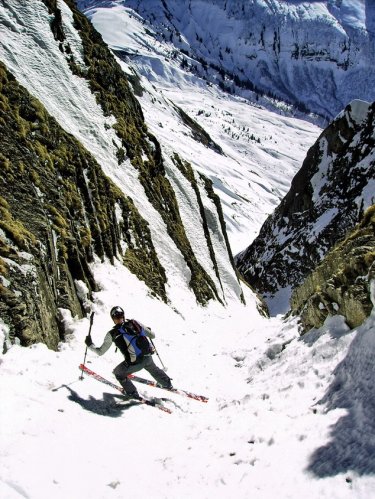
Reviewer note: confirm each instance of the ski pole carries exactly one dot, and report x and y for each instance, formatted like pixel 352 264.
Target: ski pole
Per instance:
pixel 157 353
pixel 84 360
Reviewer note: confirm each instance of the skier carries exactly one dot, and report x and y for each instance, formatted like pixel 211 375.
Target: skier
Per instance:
pixel 124 334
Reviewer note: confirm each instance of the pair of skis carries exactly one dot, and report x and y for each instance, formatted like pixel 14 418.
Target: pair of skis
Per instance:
pixel 143 400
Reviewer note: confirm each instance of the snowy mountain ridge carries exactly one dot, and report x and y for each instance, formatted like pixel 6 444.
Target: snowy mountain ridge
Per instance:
pixel 71 101
pixel 318 55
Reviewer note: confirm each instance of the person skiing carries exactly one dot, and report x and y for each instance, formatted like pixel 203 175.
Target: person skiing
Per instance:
pixel 129 337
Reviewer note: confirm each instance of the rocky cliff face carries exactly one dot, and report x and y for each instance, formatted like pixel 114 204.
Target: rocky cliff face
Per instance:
pixel 58 209
pixel 80 187
pixel 317 55
pixel 327 198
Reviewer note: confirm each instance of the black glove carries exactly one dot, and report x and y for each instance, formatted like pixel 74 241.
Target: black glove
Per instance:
pixel 88 341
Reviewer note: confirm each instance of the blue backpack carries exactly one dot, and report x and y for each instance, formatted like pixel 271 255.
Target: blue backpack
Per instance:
pixel 135 336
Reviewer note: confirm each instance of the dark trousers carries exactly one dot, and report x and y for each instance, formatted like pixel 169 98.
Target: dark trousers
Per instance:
pixel 122 370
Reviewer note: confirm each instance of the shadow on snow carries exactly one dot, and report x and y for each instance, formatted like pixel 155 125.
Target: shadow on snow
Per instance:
pixel 352 437
pixel 107 406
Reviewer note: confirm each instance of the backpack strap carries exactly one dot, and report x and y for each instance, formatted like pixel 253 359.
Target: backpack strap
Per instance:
pixel 119 341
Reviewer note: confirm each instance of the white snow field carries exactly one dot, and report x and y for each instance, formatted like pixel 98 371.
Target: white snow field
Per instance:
pixel 287 416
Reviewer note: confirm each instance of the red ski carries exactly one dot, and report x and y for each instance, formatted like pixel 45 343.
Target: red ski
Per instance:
pixel 141 400
pixel 148 382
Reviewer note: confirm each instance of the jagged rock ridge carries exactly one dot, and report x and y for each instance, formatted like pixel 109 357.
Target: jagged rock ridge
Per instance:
pixel 327 198
pixel 61 211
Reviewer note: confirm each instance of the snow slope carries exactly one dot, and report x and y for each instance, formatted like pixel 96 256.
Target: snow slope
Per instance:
pixel 32 54
pixel 264 429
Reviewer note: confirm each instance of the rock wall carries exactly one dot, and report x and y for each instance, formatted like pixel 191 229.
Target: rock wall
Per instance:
pixel 327 198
